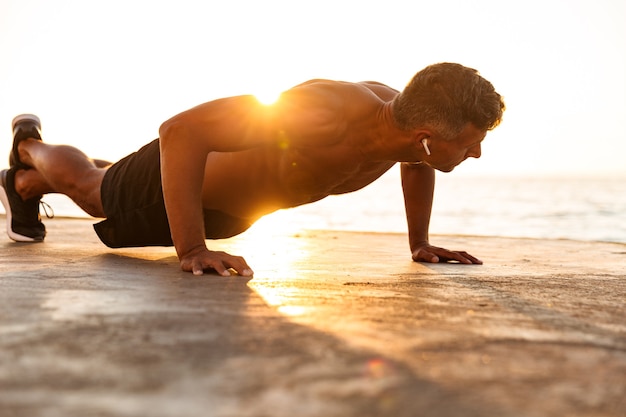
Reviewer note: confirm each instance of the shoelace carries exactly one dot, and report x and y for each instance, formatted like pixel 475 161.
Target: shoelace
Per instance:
pixel 46 207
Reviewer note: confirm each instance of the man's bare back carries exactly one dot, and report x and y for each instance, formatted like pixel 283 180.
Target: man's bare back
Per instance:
pixel 290 170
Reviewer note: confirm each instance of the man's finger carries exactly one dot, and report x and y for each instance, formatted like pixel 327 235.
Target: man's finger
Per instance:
pixel 217 266
pixel 463 257
pixel 422 255
pixel 244 271
pixel 467 258
pixel 239 264
pixel 196 268
pixel 456 256
pixel 221 269
pixel 472 258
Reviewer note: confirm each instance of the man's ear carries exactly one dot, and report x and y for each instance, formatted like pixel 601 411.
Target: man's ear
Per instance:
pixel 422 140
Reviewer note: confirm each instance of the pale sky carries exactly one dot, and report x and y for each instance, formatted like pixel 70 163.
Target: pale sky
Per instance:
pixel 104 75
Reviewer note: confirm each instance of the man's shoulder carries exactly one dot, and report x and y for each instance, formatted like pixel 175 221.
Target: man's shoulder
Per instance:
pixel 351 90
pixel 329 100
pixel 339 86
pixel 321 112
pixel 343 93
pixel 383 91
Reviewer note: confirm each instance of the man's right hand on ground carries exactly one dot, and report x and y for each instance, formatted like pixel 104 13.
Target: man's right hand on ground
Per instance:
pixel 201 259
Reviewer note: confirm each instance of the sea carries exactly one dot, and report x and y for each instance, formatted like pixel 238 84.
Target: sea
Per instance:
pixel 551 207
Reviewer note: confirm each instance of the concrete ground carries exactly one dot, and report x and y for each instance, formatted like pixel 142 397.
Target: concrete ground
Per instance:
pixel 333 324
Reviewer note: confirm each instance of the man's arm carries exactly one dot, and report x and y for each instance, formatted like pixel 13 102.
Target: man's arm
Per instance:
pixel 226 125
pixel 418 185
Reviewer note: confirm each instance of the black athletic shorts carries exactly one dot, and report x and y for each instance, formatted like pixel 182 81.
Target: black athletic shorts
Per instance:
pixel 132 197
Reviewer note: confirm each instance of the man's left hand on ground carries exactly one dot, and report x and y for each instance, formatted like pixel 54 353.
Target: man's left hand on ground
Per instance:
pixel 434 254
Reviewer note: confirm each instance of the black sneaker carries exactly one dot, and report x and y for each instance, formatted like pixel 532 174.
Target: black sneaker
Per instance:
pixel 23 219
pixel 24 126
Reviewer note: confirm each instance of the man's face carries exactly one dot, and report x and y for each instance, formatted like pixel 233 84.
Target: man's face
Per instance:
pixel 447 154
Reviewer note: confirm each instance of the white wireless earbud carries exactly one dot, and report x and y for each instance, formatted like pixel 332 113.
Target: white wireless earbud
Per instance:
pixel 425 145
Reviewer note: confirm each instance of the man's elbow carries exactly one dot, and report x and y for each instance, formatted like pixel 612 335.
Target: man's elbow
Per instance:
pixel 168 129
pixel 174 131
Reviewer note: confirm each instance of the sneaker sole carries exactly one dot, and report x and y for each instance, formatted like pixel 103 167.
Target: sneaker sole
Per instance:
pixel 31 119
pixel 7 208
pixel 26 118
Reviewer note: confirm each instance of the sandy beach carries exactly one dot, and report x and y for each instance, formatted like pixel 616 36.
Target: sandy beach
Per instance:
pixel 332 324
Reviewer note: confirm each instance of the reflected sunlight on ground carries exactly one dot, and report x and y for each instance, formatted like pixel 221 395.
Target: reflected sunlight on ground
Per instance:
pixel 274 250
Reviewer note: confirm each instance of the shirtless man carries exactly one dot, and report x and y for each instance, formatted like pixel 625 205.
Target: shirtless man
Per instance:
pixel 220 166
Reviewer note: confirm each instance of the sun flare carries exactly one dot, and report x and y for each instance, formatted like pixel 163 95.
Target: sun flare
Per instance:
pixel 268 96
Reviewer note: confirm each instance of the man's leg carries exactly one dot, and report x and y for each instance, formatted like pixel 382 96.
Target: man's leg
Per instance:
pixel 39 168
pixel 60 169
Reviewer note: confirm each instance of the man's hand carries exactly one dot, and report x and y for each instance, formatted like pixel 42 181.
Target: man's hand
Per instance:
pixel 428 253
pixel 200 259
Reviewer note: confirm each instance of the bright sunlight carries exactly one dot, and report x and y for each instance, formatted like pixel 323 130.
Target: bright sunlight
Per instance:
pixel 268 96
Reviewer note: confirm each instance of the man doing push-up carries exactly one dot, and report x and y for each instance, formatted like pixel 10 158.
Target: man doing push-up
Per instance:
pixel 217 168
